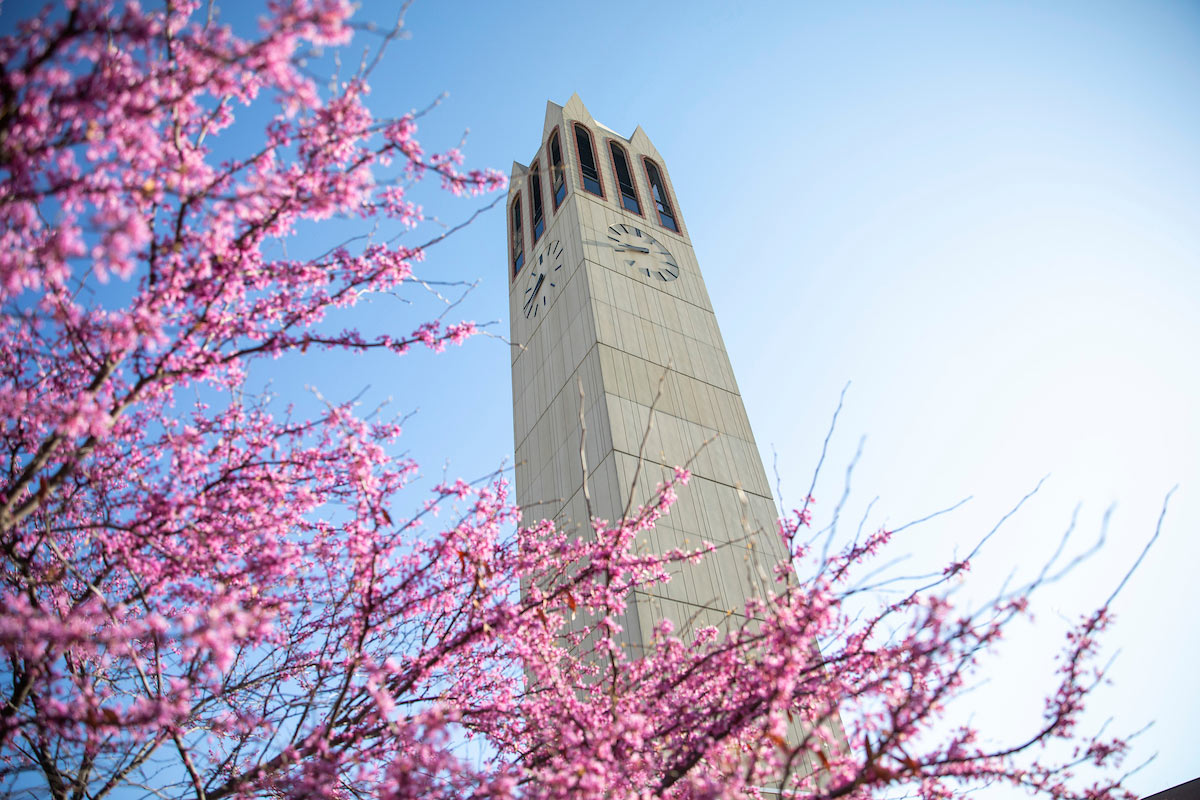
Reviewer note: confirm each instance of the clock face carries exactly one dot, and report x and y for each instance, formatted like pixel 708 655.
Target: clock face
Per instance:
pixel 640 251
pixel 544 277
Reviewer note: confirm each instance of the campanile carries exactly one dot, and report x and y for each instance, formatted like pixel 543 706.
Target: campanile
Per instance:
pixel 606 293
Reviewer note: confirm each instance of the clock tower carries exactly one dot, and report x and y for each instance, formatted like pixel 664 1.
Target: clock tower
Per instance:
pixel 612 326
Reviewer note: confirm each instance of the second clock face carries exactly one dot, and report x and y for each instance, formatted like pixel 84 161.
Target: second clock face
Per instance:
pixel 544 277
pixel 640 251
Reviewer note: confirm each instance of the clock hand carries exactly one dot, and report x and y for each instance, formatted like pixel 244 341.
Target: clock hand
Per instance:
pixel 632 249
pixel 533 293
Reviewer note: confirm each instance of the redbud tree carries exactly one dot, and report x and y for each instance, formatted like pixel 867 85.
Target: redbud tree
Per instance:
pixel 207 595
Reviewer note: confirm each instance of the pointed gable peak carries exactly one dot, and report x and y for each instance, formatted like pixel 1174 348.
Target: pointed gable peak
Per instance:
pixel 643 144
pixel 575 109
pixel 514 177
pixel 554 116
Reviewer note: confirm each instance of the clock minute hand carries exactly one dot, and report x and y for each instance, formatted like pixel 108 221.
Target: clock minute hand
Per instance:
pixel 533 295
pixel 631 249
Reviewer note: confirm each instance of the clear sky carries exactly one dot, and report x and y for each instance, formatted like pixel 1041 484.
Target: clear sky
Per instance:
pixel 986 216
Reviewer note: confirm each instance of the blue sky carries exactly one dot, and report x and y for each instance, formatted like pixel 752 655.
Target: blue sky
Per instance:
pixel 984 216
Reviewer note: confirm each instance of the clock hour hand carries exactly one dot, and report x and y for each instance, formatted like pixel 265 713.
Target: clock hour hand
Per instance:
pixel 533 295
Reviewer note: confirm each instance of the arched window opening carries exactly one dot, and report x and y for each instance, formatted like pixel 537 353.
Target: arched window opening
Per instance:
pixel 587 161
pixel 658 190
pixel 518 236
pixel 538 219
pixel 558 172
pixel 629 195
